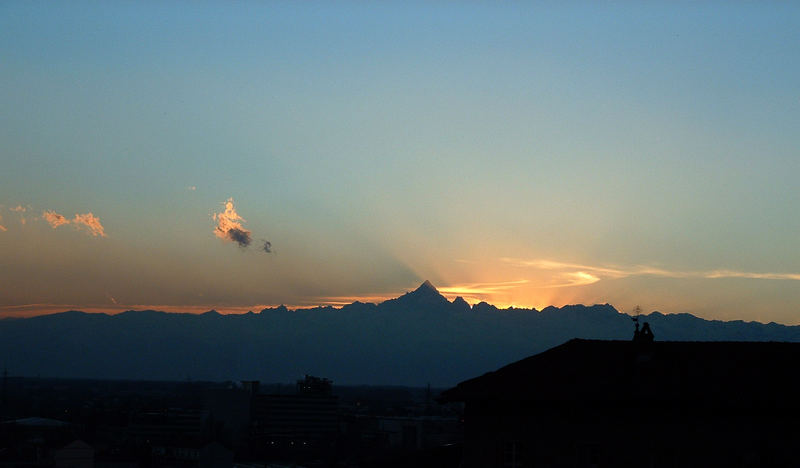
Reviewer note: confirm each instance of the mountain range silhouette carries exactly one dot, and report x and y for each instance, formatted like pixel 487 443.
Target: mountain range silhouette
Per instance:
pixel 415 339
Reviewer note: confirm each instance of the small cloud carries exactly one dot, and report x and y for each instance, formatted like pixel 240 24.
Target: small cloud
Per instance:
pixel 88 222
pixel 191 188
pixel 111 298
pixel 229 225
pixel 267 246
pixel 54 218
pixel 240 236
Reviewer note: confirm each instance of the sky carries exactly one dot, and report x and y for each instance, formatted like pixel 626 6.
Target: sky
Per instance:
pixel 522 153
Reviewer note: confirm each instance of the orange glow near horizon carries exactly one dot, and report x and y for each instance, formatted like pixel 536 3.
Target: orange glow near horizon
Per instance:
pixel 529 283
pixel 32 310
pixel 500 294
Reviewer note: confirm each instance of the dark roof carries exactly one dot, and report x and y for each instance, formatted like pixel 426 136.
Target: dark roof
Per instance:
pixel 592 370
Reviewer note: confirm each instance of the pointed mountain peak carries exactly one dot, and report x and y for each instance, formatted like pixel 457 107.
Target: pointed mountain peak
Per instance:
pixel 428 287
pixel 425 295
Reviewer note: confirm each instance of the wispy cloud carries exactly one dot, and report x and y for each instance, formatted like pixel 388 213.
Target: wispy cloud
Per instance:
pixel 577 278
pixel 745 274
pixel 87 222
pixel 229 225
pixel 20 210
pixel 191 188
pixel 577 274
pixel 481 288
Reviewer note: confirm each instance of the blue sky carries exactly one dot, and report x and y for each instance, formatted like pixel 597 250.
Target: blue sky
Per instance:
pixel 524 154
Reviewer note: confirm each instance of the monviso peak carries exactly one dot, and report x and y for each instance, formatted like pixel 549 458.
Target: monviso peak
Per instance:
pixel 425 295
pixel 422 298
pixel 427 288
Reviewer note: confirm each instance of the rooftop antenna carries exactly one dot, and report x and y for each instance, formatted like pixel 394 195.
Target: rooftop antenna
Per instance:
pixel 645 335
pixel 637 311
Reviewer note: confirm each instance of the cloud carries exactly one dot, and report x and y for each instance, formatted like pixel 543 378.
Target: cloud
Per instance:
pixel 482 288
pixel 267 246
pixel 191 188
pixel 744 274
pixel 229 225
pixel 577 278
pixel 20 210
pixel 54 218
pixel 87 222
pixel 240 236
pixel 90 223
pixel 576 274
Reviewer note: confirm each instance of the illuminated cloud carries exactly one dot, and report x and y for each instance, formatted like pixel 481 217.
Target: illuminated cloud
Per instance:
pixel 481 288
pixel 744 274
pixel 20 210
pixel 191 188
pixel 229 225
pixel 2 228
pixel 578 278
pixel 87 222
pixel 580 275
pixel 54 218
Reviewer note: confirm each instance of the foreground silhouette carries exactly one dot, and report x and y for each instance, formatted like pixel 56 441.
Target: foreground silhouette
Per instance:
pixel 591 403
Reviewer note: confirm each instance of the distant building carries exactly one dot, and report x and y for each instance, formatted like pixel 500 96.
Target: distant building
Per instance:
pixel 590 403
pixel 173 436
pixel 316 386
pixel 305 418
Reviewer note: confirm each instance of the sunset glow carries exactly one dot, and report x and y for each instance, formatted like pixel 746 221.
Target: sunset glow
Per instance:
pixel 234 157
